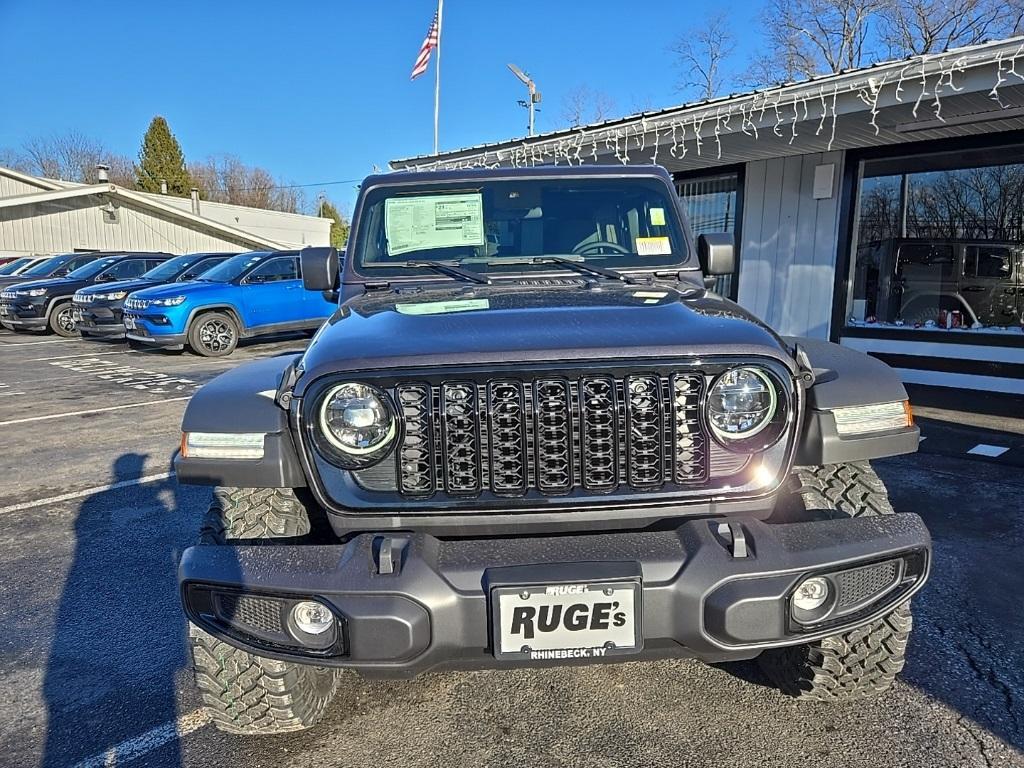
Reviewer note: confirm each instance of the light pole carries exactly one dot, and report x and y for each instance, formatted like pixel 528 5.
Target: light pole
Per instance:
pixel 534 94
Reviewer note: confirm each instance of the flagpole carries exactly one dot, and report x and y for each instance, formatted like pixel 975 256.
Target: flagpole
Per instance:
pixel 437 73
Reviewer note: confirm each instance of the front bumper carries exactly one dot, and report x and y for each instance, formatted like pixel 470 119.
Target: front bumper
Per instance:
pixel 27 314
pixel 93 320
pixel 702 593
pixel 156 330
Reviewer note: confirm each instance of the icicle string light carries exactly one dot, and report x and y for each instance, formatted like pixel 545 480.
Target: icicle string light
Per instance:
pixel 929 78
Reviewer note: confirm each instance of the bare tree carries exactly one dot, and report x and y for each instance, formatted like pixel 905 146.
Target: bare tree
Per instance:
pixel 913 27
pixel 701 54
pixel 808 37
pixel 226 179
pixel 70 156
pixel 583 105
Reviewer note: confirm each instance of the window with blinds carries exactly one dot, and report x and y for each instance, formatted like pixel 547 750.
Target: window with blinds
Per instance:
pixel 713 205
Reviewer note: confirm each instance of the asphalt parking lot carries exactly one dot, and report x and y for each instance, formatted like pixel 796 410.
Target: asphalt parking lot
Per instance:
pixel 92 650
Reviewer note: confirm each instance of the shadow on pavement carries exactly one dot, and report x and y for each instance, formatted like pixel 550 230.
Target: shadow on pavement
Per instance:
pixel 118 633
pixel 966 650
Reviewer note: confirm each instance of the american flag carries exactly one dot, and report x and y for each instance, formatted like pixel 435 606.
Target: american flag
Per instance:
pixel 429 44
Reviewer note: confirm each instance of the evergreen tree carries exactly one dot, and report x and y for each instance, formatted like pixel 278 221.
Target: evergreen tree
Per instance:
pixel 161 159
pixel 339 224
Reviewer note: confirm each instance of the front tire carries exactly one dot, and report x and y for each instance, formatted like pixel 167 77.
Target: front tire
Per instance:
pixel 213 334
pixel 864 661
pixel 62 321
pixel 244 693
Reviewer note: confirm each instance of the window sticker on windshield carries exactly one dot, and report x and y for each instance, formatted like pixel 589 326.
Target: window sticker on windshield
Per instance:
pixel 657 217
pixel 442 307
pixel 433 221
pixel 653 246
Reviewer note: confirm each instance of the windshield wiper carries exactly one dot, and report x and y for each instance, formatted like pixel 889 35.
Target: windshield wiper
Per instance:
pixel 577 265
pixel 452 270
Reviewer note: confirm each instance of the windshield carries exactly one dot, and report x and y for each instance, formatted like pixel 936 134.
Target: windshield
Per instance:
pixel 48 267
pixel 233 268
pixel 92 268
pixel 172 268
pixel 9 267
pixel 503 225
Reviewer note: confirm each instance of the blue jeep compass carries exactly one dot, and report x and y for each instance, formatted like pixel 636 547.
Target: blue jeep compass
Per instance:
pixel 251 294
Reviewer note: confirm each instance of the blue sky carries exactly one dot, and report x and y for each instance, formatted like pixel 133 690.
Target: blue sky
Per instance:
pixel 318 92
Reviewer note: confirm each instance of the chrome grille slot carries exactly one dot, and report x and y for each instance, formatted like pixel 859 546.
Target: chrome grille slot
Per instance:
pixel 461 437
pixel 506 412
pixel 600 440
pixel 416 454
pixel 689 458
pixel 645 457
pixel 553 425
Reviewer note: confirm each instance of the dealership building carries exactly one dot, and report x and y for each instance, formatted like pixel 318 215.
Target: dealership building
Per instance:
pixel 44 216
pixel 882 208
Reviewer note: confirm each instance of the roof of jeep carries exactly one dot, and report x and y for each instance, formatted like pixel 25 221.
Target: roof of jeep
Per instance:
pixel 542 171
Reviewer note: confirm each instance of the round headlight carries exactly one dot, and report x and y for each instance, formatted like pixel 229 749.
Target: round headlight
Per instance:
pixel 357 420
pixel 741 403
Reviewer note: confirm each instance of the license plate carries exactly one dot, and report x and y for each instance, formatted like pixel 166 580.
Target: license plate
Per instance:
pixel 567 621
pixel 129 322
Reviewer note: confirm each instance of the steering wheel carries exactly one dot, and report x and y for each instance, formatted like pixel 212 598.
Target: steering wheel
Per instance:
pixel 585 248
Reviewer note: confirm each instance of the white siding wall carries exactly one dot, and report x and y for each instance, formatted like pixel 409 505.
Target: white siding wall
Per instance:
pixel 65 225
pixel 788 249
pixel 292 229
pixel 11 187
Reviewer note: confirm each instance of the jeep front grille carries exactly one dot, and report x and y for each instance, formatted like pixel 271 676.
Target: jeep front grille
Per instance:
pixel 553 435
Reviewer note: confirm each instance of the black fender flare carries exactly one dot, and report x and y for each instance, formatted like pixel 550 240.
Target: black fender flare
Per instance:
pixel 231 309
pixel 845 377
pixel 244 400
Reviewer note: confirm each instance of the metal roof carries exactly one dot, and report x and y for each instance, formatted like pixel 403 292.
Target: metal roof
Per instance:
pixel 138 200
pixel 844 82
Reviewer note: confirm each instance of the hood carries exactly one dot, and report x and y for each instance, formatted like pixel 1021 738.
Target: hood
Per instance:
pixel 121 285
pixel 430 327
pixel 188 288
pixel 56 286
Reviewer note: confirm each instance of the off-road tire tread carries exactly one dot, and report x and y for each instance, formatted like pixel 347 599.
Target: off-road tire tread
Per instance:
pixel 864 661
pixel 243 693
pixel 249 695
pixel 253 513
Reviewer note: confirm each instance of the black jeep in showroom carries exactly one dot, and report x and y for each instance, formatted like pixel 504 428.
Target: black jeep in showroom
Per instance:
pixel 532 435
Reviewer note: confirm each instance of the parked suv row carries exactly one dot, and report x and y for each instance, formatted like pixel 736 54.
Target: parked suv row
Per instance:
pixel 205 301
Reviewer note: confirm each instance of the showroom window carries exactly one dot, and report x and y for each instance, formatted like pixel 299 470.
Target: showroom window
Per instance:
pixel 939 243
pixel 713 204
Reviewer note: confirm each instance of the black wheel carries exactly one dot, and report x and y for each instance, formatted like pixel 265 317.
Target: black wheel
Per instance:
pixel 213 334
pixel 62 321
pixel 861 662
pixel 244 693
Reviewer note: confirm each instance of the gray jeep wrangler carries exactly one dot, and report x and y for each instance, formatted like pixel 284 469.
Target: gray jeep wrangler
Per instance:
pixel 531 435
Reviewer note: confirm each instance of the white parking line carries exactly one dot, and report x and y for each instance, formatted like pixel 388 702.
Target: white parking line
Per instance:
pixel 31 343
pixel 131 749
pixel 86 354
pixel 86 492
pixel 992 451
pixel 91 410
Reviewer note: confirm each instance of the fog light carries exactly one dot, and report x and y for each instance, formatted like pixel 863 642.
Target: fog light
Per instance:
pixel 811 594
pixel 312 618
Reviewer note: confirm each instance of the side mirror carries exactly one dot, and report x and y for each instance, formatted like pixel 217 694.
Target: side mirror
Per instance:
pixel 319 268
pixel 717 253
